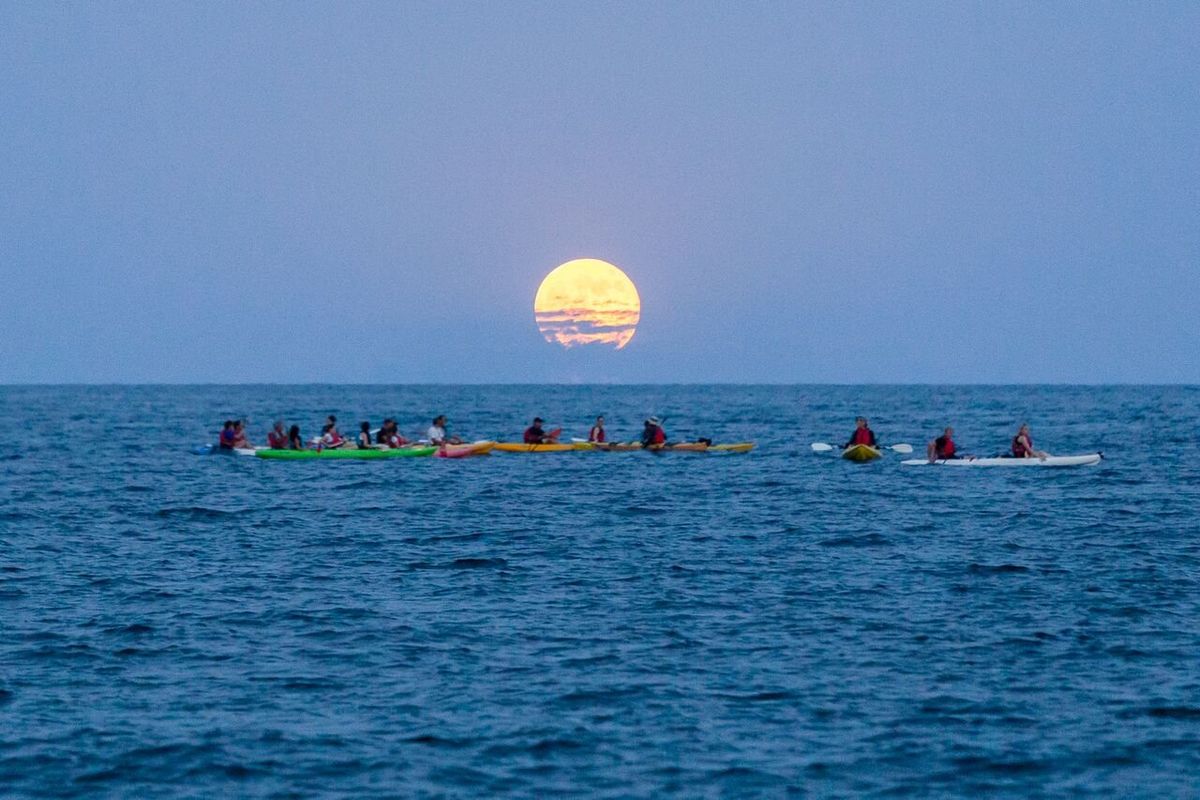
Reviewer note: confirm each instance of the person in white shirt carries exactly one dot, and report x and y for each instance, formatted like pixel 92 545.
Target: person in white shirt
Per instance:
pixel 437 432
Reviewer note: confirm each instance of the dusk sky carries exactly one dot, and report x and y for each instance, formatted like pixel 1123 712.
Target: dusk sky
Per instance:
pixel 361 192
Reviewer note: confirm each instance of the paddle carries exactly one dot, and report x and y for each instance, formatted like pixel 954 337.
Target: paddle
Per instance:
pixel 822 447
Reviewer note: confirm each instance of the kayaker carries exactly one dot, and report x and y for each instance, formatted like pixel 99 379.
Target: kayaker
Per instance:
pixel 862 433
pixel 294 440
pixel 437 432
pixel 535 434
pixel 596 434
pixel 389 434
pixel 1022 444
pixel 277 438
pixel 653 433
pixel 330 437
pixel 942 447
pixel 364 436
pixel 239 435
pixel 226 440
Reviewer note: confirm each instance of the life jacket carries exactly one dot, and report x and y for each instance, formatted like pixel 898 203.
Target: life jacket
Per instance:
pixel 228 437
pixel 277 441
pixel 596 435
pixel 1018 449
pixel 659 436
pixel 861 436
pixel 947 449
pixel 333 438
pixel 534 435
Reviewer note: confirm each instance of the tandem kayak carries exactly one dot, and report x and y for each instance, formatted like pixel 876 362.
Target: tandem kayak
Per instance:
pixel 682 447
pixel 521 447
pixel 304 455
pixel 1049 461
pixel 860 452
pixel 464 450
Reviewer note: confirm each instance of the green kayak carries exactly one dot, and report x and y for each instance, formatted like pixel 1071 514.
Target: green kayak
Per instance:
pixel 296 455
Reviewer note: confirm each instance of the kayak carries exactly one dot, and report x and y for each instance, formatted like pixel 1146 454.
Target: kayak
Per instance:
pixel 1049 461
pixel 299 455
pixel 521 447
pixel 213 450
pixel 464 450
pixel 860 452
pixel 682 447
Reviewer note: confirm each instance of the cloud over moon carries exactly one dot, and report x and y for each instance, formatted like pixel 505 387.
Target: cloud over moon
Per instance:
pixel 587 302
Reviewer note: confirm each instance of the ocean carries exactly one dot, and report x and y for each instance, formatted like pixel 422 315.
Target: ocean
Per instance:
pixel 775 624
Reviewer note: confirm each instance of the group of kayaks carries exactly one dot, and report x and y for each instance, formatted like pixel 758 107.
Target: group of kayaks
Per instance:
pixel 471 449
pixel 858 453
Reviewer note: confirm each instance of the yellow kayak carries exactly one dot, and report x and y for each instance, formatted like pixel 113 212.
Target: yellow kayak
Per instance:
pixel 521 447
pixel 736 447
pixel 860 452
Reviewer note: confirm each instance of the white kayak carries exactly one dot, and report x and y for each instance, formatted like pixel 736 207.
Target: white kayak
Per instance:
pixel 1048 461
pixel 213 450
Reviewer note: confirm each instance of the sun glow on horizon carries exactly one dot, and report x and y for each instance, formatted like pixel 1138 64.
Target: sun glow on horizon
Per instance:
pixel 587 302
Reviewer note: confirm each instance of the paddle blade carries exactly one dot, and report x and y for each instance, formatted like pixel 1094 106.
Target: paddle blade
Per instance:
pixel 901 448
pixel 821 447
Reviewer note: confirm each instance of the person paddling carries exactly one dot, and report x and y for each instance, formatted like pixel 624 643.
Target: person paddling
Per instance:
pixel 437 432
pixel 942 447
pixel 330 437
pixel 389 434
pixel 535 434
pixel 596 434
pixel 239 436
pixel 1022 445
pixel 862 434
pixel 653 434
pixel 364 436
pixel 226 440
pixel 277 438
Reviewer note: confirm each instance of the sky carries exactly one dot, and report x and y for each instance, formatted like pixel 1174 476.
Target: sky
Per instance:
pixel 803 193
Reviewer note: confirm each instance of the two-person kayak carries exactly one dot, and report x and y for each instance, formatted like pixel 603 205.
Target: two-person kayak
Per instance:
pixel 348 453
pixel 619 447
pixel 1087 459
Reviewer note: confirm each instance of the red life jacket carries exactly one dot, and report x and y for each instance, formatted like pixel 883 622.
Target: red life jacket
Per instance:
pixel 277 441
pixel 861 436
pixel 596 435
pixel 1018 449
pixel 534 435
pixel 660 436
pixel 947 449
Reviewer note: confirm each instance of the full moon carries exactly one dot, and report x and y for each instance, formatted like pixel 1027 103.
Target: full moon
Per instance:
pixel 587 302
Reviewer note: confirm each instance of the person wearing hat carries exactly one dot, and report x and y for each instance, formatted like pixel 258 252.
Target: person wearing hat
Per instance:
pixel 653 434
pixel 534 434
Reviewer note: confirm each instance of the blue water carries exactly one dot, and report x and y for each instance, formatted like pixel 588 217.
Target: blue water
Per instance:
pixel 613 625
